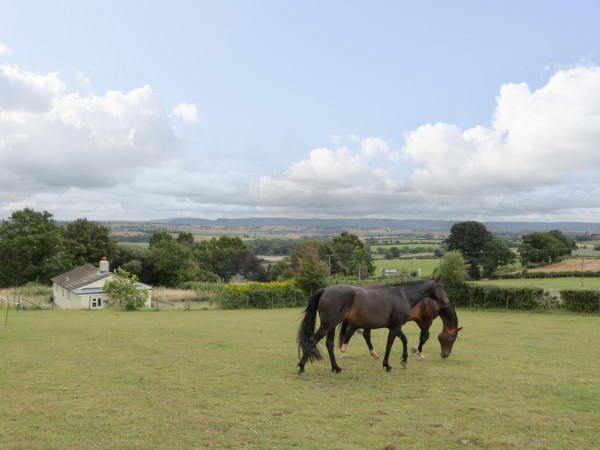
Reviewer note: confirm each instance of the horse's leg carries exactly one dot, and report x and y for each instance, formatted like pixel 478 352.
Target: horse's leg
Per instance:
pixel 314 340
pixel 422 339
pixel 388 349
pixel 329 343
pixel 349 333
pixel 367 338
pixel 404 347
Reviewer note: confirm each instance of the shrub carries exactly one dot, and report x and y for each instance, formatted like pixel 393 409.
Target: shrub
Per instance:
pixel 583 300
pixel 262 295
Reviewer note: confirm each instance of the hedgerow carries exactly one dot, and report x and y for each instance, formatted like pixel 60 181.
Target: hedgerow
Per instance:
pixel 583 300
pixel 257 295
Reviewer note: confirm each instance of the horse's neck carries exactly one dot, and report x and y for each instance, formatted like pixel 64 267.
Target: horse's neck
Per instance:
pixel 449 318
pixel 419 292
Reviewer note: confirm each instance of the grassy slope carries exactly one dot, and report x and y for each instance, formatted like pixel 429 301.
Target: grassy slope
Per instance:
pixel 176 379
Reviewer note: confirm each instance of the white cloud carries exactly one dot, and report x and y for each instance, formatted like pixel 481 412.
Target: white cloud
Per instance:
pixel 25 91
pixel 4 50
pixel 187 112
pixel 540 157
pixel 54 139
pixel 372 146
pixel 536 138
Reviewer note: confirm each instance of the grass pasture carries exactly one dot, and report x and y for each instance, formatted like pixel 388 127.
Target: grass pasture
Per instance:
pixel 427 266
pixel 184 379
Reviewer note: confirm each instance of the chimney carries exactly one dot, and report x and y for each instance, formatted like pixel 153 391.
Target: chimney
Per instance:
pixel 104 265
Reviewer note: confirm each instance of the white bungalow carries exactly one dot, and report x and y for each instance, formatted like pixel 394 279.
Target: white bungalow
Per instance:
pixel 84 287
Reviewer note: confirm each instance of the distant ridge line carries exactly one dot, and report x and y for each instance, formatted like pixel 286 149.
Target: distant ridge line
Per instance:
pixel 411 224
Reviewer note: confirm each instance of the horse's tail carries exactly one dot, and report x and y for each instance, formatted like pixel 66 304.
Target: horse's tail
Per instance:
pixel 343 331
pixel 307 328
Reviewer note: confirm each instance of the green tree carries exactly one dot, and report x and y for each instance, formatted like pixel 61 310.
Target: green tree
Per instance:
pixel 185 239
pixel 453 268
pixel 545 247
pixel 123 291
pixel 159 237
pixel 311 272
pixel 480 248
pixel 32 248
pixel 361 264
pixel 343 247
pixel 135 259
pixel 226 257
pixel 173 263
pixel 90 242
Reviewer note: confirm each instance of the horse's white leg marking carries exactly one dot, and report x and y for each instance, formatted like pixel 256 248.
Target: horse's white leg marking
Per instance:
pixel 374 354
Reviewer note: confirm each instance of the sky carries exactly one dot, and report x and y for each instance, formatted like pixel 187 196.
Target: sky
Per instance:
pixel 142 110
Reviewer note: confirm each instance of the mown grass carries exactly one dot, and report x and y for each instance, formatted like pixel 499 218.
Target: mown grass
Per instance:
pixel 427 266
pixel 182 379
pixel 547 282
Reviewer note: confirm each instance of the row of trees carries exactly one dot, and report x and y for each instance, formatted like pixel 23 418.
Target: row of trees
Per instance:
pixel 485 253
pixel 34 248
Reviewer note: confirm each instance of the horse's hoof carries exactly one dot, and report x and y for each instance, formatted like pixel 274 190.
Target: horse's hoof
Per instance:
pixel 344 355
pixel 403 364
pixel 375 356
pixel 301 373
pixel 414 350
pixel 389 369
pixel 338 370
pixel 421 358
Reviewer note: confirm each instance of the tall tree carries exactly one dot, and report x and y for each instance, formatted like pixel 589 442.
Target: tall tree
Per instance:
pixel 90 241
pixel 311 272
pixel 159 237
pixel 185 238
pixel 480 248
pixel 545 247
pixel 361 264
pixel 453 268
pixel 344 246
pixel 32 248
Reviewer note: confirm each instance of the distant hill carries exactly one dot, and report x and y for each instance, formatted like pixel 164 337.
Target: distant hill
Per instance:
pixel 411 225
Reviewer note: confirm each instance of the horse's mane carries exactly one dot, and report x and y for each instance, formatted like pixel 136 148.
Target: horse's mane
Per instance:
pixel 408 283
pixel 453 315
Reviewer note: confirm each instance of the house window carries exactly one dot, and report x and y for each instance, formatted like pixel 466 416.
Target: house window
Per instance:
pixel 96 303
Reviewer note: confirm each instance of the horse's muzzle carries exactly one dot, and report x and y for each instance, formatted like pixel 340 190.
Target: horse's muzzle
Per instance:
pixel 444 354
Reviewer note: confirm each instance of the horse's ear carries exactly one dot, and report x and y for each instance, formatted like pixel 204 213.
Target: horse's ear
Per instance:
pixel 438 278
pixel 459 329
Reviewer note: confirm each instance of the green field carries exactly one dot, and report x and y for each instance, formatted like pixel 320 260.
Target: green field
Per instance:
pixel 186 379
pixel 408 265
pixel 548 283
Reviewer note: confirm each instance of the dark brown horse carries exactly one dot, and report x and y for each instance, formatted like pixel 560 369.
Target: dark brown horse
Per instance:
pixel 424 313
pixel 385 306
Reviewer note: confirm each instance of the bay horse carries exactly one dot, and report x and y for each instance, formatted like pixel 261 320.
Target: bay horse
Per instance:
pixel 384 306
pixel 423 314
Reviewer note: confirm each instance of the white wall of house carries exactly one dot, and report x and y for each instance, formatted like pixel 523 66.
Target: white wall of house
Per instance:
pixel 67 299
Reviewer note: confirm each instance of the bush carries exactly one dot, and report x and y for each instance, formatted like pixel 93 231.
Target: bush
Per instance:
pixel 472 295
pixel 262 295
pixel 583 300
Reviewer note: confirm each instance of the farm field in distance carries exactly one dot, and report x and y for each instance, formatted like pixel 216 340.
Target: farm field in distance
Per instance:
pixel 186 379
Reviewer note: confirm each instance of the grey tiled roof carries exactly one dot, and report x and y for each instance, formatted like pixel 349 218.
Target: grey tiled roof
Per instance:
pixel 80 277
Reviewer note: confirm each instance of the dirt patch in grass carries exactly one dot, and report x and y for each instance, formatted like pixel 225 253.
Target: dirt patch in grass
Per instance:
pixel 570 265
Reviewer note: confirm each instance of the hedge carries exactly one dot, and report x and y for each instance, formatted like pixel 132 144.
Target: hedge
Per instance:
pixel 477 296
pixel 584 300
pixel 261 295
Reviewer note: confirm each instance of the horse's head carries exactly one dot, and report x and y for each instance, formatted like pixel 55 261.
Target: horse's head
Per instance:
pixel 447 338
pixel 438 293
